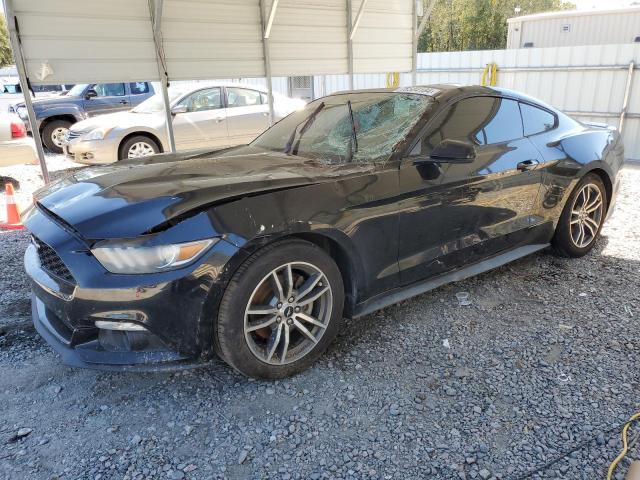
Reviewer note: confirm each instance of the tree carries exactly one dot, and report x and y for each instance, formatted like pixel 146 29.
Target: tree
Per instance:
pixel 457 25
pixel 6 56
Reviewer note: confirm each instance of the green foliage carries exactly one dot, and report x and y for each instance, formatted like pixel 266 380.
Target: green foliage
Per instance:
pixel 477 24
pixel 6 57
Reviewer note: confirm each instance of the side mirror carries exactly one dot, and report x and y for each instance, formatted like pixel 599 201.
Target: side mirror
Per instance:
pixel 453 151
pixel 91 93
pixel 176 109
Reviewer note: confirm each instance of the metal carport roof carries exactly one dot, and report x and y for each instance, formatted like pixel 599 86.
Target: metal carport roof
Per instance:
pixel 71 41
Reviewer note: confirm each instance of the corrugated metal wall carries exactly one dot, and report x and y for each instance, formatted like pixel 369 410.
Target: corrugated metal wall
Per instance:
pixel 590 28
pixel 577 80
pixel 96 41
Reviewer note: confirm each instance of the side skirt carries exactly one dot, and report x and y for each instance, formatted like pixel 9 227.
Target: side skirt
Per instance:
pixel 397 295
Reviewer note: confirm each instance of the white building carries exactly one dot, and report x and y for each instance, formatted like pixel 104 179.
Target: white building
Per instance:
pixel 575 27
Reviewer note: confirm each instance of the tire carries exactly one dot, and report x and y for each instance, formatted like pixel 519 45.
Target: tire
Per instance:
pixel 52 133
pixel 567 240
pixel 253 284
pixel 146 146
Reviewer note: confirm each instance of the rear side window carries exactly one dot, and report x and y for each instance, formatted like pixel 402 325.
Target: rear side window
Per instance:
pixel 241 97
pixel 110 89
pixel 138 88
pixel 536 120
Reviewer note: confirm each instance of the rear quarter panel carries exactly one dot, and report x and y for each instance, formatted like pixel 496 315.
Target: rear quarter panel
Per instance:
pixel 568 153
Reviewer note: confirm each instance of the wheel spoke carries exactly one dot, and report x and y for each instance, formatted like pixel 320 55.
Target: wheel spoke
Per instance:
pixel 258 326
pixel 285 347
pixel 262 310
pixel 309 285
pixel 304 330
pixel 289 280
pixel 574 221
pixel 592 207
pixel 272 345
pixel 313 297
pixel 591 224
pixel 308 318
pixel 277 285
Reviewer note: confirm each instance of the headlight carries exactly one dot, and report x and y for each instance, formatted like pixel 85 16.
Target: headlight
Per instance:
pixel 22 113
pixel 131 257
pixel 98 133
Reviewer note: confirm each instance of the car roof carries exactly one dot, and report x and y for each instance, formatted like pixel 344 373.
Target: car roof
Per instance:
pixel 448 91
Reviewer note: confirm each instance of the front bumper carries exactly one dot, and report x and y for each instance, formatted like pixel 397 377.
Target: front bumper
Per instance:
pixel 175 308
pixel 91 152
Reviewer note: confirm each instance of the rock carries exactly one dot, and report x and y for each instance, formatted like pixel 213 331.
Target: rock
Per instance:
pixel 243 457
pixel 484 474
pixel 136 439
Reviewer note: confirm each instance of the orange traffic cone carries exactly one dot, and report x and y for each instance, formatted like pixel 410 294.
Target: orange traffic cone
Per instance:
pixel 13 216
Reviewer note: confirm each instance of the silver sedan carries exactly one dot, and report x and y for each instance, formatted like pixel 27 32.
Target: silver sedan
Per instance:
pixel 211 116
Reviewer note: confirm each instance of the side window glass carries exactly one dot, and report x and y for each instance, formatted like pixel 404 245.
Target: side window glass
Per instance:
pixel 110 89
pixel 477 120
pixel 241 97
pixel 202 100
pixel 138 88
pixel 536 120
pixel 505 123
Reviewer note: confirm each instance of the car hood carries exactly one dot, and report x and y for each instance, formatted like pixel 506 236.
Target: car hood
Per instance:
pixel 118 119
pixel 42 103
pixel 131 198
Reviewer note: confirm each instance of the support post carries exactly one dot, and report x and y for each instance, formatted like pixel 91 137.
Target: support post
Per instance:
pixel 414 43
pixel 350 43
pixel 425 19
pixel 627 93
pixel 354 28
pixel 16 46
pixel 156 18
pixel 266 52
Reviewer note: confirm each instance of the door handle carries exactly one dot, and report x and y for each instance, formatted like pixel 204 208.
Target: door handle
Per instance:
pixel 265 114
pixel 526 165
pixel 123 102
pixel 219 120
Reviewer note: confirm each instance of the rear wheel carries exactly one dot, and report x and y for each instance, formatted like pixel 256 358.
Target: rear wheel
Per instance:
pixel 582 218
pixel 53 134
pixel 281 310
pixel 137 147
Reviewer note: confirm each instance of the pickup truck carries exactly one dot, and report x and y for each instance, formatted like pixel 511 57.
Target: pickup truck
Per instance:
pixel 56 114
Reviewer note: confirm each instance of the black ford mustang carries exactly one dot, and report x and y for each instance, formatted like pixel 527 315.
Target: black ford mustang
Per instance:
pixel 358 201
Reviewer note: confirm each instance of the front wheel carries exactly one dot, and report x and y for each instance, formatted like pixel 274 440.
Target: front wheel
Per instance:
pixel 54 133
pixel 281 310
pixel 582 218
pixel 138 147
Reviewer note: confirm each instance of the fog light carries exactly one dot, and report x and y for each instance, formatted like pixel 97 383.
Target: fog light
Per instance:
pixel 120 326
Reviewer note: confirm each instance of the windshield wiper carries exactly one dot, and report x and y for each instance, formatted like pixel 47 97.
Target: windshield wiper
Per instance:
pixel 307 123
pixel 353 142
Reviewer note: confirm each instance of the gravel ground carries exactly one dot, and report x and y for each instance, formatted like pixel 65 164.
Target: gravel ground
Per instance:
pixel 542 362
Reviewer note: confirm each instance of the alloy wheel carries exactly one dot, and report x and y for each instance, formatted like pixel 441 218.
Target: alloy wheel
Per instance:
pixel 58 136
pixel 586 215
pixel 140 149
pixel 288 313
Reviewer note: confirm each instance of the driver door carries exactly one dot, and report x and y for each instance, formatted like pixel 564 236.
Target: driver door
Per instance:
pixel 458 213
pixel 204 123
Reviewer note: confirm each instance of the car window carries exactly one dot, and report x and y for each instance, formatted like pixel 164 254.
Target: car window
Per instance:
pixel 536 120
pixel 138 88
pixel 110 89
pixel 202 100
pixel 12 88
pixel 242 97
pixel 478 120
pixel 381 121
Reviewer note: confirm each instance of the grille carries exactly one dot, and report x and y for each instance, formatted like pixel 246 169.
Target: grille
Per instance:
pixel 51 262
pixel 71 134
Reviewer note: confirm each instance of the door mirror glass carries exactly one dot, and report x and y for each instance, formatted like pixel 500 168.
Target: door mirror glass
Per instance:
pixel 176 109
pixel 91 93
pixel 453 151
